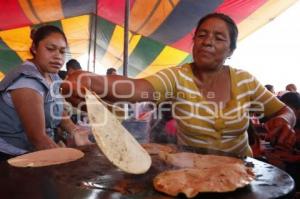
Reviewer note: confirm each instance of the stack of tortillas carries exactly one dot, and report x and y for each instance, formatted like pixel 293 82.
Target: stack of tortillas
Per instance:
pixel 116 143
pixel 46 157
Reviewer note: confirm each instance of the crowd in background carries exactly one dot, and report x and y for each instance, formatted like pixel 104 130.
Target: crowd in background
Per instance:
pixel 264 149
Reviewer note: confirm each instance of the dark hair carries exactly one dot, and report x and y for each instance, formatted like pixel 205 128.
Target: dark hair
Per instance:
pixel 289 86
pixel 292 99
pixel 269 87
pixel 43 32
pixel 233 30
pixel 74 64
pixel 110 71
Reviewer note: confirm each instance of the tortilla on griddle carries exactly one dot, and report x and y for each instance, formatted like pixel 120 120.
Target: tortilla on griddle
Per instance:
pixel 191 181
pixel 194 160
pixel 201 173
pixel 155 148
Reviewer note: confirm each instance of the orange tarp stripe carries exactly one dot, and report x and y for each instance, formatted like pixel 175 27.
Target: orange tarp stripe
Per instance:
pixel 147 16
pixel 48 10
pixel 42 11
pixel 26 6
pixel 18 40
pixel 262 16
pixel 78 34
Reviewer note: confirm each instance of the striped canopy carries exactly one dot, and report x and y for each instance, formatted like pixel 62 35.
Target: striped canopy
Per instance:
pixel 160 30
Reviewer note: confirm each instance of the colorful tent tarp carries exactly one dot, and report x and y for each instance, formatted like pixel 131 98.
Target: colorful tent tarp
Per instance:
pixel 160 30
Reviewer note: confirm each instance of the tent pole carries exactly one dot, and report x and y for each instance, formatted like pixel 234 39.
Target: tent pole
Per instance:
pixel 90 41
pixel 126 33
pixel 95 36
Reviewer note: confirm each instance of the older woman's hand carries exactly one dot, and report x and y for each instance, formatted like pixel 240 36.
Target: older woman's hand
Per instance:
pixel 280 133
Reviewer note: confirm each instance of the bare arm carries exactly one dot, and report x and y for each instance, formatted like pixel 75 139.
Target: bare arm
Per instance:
pixel 280 128
pixel 30 108
pixel 113 87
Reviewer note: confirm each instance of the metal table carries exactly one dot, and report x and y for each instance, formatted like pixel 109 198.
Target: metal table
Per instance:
pixel 94 177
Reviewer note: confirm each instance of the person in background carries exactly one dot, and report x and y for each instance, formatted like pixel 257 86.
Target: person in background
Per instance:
pixel 289 160
pixel 111 71
pixel 72 65
pixel 270 88
pixel 291 87
pixel 292 99
pixel 211 101
pixel 288 88
pixel 30 101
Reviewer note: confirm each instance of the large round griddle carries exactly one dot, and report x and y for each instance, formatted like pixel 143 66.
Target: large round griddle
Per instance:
pixel 94 176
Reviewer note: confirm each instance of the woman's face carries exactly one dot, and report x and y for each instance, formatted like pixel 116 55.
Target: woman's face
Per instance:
pixel 211 44
pixel 50 53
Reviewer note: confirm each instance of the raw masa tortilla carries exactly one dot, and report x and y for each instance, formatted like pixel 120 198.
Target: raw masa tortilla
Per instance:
pixel 46 157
